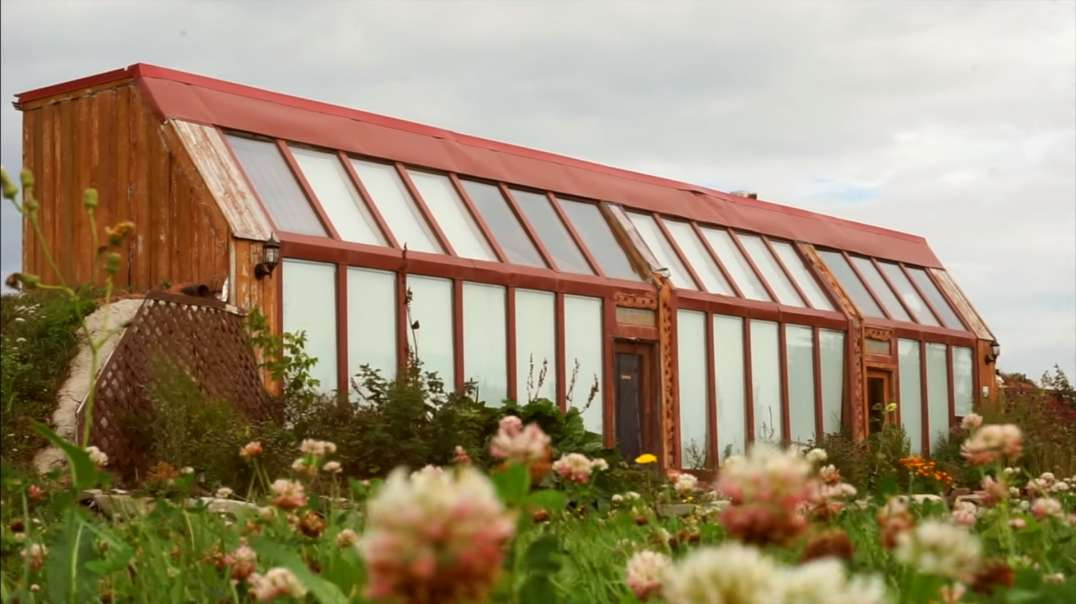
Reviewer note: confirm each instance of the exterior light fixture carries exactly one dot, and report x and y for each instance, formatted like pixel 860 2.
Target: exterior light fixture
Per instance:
pixel 664 272
pixel 270 258
pixel 995 352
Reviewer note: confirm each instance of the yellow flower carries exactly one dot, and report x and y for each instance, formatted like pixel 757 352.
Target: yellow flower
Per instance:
pixel 646 458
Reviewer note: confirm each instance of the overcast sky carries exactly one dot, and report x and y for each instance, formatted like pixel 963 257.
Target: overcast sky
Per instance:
pixel 955 121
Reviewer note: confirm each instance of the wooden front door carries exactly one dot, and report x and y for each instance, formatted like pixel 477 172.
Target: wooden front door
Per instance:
pixel 879 395
pixel 636 418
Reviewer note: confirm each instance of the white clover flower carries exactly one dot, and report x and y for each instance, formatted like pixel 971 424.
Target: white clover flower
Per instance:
pixel 97 456
pixel 224 493
pixel 940 549
pixel 332 467
pixel 686 484
pixel 318 448
pixel 646 572
pixel 817 455
pixel 824 582
pixel 276 582
pixel 186 470
pixel 730 572
pixel 971 421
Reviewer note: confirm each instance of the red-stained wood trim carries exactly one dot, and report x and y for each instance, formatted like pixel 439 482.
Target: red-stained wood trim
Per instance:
pixel 527 226
pixel 300 178
pixel 342 370
pixel 950 385
pixel 749 395
pixel 922 296
pixel 788 274
pixel 782 356
pixel 679 252
pixel 555 203
pixel 416 197
pixel 478 218
pixel 756 309
pixel 895 291
pixel 635 332
pixel 558 337
pixel 608 374
pixel 717 260
pixel 866 284
pixel 367 200
pixel 459 378
pixel 514 387
pixel 713 450
pixel 751 262
pixel 924 403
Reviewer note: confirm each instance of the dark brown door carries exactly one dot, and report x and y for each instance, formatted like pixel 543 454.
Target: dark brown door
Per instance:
pixel 636 422
pixel 879 395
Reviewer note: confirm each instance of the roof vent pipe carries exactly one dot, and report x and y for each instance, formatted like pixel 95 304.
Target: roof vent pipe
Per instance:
pixel 747 194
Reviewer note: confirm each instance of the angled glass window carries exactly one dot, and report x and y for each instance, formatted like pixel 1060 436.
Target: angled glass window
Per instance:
pixel 551 231
pixel 907 293
pixel 371 321
pixel 764 260
pixel 851 283
pixel 274 183
pixel 694 403
pixel 735 263
pixel 766 380
pixel 394 202
pixel 598 237
pixel 712 278
pixel 452 215
pixel 432 341
pixel 803 277
pixel 310 307
pixel 937 392
pixel 832 350
pixel 963 390
pixel 911 393
pixel 799 350
pixel 661 249
pixel 731 392
pixel 583 336
pixel 338 197
pixel 937 300
pixel 485 361
pixel 878 284
pixel 503 223
pixel 536 346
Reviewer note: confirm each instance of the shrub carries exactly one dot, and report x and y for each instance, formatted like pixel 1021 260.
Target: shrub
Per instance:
pixel 872 464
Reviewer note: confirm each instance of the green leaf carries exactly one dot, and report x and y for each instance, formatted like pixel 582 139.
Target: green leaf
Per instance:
pixel 70 578
pixel 324 591
pixel 84 473
pixel 549 499
pixel 543 556
pixel 537 590
pixel 512 483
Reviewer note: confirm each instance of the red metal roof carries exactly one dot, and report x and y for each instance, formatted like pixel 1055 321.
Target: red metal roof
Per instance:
pixel 186 96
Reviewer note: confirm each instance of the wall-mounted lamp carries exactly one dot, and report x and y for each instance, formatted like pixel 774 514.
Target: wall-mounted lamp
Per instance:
pixel 663 271
pixel 270 258
pixel 995 352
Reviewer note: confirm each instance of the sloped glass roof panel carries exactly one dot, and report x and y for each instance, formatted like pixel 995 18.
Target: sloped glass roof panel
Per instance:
pixel 908 294
pixel 598 237
pixel 735 263
pixel 338 196
pixel 503 223
pixel 452 215
pixel 878 284
pixel 851 283
pixel 808 284
pixel 274 183
pixel 394 202
pixel 661 249
pixel 938 301
pixel 712 278
pixel 764 260
pixel 551 231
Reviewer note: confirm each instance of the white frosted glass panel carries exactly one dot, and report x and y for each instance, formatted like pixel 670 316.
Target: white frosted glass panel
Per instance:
pixel 455 220
pixel 551 231
pixel 911 393
pixel 338 196
pixel 832 345
pixel 937 391
pixel 799 347
pixel 764 260
pixel 535 346
pixel 661 249
pixel 699 258
pixel 275 185
pixel 731 394
pixel 393 200
pixel 583 355
pixel 598 238
pixel 503 223
pixel 766 380
pixel 691 356
pixel 735 263
pixel 907 293
pixel 963 390
pixel 371 321
pixel 432 342
pixel 310 307
pixel 874 279
pixel 484 341
pixel 802 275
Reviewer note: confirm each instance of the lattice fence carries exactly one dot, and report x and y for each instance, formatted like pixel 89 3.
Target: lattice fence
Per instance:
pixel 199 336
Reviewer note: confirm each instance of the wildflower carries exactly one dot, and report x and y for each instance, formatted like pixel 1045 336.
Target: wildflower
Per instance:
pixel 829 474
pixel 513 442
pixel 186 470
pixel 971 422
pixel 276 582
pixel 540 515
pixel 251 450
pixel 312 524
pixel 97 456
pixel 1053 578
pixel 35 493
pixel 828 500
pixel 894 519
pixel 1018 523
pixel 952 594
pixel 965 514
pixel 302 465
pixel 1060 487
pixel 991 576
pixel 460 456
pixel 223 493
pixel 1045 506
pixel 992 443
pixel 645 572
pixel 831 543
pixel 34 554
pixel 599 464
pixel 940 549
pixel 816 455
pixel 243 562
pixel 686 484
pixel 823 582
pixel 332 467
pixel 993 491
pixel 1041 485
pixel 288 494
pixel 766 490
pixel 646 458
pixel 347 538
pixel 317 448
pixel 577 467
pixel 267 512
pixel 713 575
pixel 435 537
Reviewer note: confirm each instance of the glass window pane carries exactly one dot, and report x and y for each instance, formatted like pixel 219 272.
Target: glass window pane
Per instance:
pixel 694 420
pixel 338 196
pixel 536 346
pixel 782 287
pixel 851 283
pixel 799 349
pixel 911 393
pixel 735 263
pixel 485 361
pixel 583 336
pixel 938 301
pixel 598 237
pixel 432 342
pixel 549 228
pixel 490 203
pixel 803 277
pixel 731 394
pixel 963 389
pixel 404 219
pixel 937 391
pixel 700 259
pixel 907 293
pixel 878 284
pixel 766 381
pixel 456 221
pixel 832 345
pixel 661 249
pixel 371 321
pixel 310 307
pixel 274 183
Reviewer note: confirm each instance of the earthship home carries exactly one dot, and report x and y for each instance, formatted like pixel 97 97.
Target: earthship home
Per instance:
pixel 683 320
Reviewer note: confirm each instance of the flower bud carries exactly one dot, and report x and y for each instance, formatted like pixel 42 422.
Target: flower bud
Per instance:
pixel 112 263
pixel 89 198
pixel 9 188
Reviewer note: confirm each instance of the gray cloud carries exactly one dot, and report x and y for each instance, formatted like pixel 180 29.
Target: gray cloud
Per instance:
pixel 954 121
